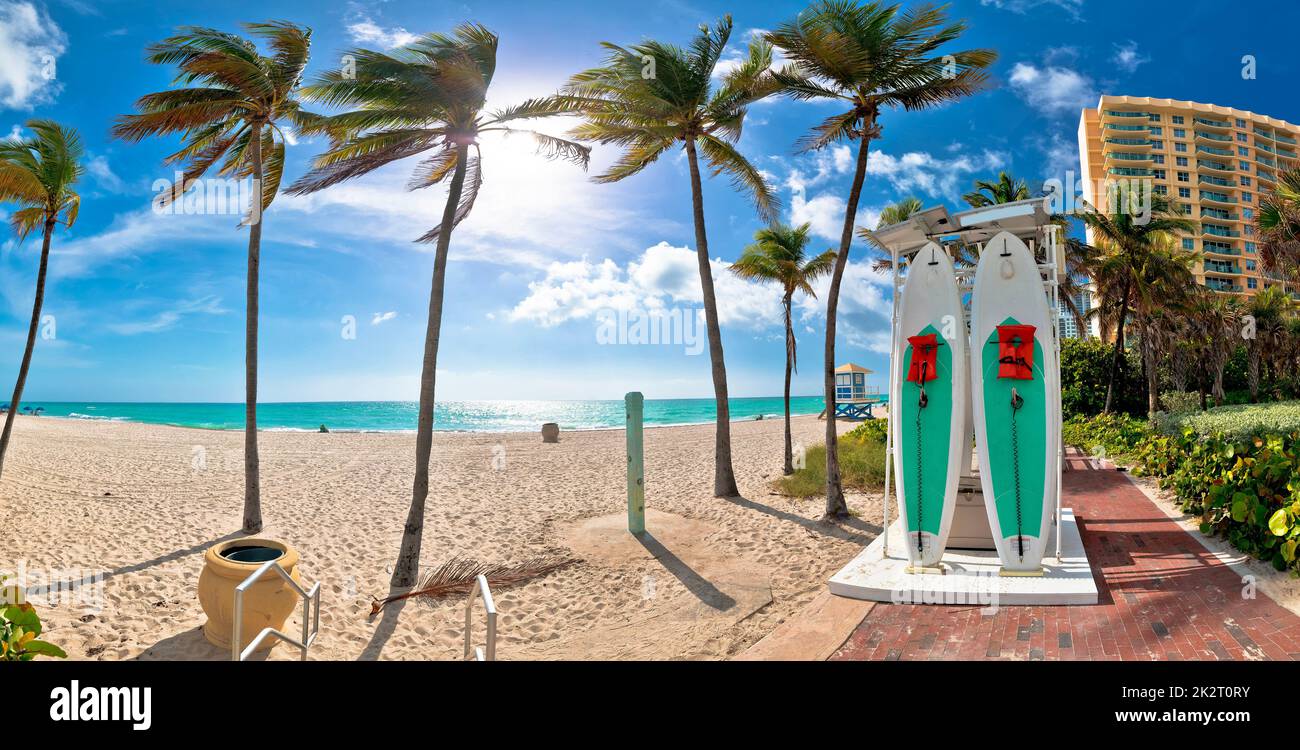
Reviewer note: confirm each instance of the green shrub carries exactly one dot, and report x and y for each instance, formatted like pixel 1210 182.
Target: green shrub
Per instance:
pixel 19 628
pixel 1180 402
pixel 1118 434
pixel 1233 469
pixel 1085 372
pixel 862 463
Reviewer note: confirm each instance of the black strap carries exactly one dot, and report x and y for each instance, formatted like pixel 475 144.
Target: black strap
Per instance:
pixel 1017 401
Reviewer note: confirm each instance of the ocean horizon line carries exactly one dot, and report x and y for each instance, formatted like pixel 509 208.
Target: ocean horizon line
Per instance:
pixel 487 415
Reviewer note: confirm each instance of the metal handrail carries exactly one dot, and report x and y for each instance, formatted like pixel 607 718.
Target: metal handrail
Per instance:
pixel 490 609
pixel 310 621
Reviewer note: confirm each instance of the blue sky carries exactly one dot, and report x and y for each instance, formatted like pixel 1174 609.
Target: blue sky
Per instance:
pixel 150 307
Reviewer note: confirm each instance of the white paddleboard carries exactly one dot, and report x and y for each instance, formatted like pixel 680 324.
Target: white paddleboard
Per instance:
pixel 928 431
pixel 1014 389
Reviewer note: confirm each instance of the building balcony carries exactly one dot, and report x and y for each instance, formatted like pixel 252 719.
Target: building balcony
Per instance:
pixel 1216 231
pixel 1222 285
pixel 1284 139
pixel 1129 172
pixel 1214 213
pixel 1127 143
pixel 1223 269
pixel 1206 195
pixel 1216 181
pixel 1128 157
pixel 1124 127
pixel 1217 124
pixel 1123 114
pixel 1265 147
pixel 1262 133
pixel 1216 166
pixel 1215 151
pixel 1203 135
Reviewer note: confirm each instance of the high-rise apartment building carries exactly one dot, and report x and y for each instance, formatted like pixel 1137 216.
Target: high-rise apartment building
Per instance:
pixel 1212 162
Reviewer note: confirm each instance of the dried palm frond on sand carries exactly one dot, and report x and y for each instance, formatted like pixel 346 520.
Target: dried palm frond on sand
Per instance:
pixel 457 576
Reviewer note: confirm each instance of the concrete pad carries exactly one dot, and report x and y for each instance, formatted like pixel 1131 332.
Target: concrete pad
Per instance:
pixel 812 634
pixel 971 577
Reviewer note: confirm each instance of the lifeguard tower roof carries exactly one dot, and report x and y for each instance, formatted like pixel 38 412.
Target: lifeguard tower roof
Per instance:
pixel 850 367
pixel 1021 218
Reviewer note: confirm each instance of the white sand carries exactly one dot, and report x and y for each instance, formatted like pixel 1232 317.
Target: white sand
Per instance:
pixel 125 499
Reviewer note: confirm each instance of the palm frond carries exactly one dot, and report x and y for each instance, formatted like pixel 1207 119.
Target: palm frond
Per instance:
pixel 458 576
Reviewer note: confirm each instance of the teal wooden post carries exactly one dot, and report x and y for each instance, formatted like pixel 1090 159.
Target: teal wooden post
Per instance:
pixel 635 464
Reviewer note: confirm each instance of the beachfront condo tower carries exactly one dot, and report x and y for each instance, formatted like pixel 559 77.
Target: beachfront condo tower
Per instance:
pixel 1212 162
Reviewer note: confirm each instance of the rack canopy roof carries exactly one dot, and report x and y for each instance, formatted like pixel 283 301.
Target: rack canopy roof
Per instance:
pixel 1021 218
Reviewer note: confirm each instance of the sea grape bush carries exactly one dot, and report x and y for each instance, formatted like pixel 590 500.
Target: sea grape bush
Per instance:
pixel 19 628
pixel 1246 489
pixel 1238 469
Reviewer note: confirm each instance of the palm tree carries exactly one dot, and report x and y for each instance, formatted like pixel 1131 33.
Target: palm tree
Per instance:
pixel 1278 223
pixel 232 108
pixel 38 174
pixel 1126 240
pixel 1269 308
pixel 1160 284
pixel 1006 189
pixel 425 98
pixel 1212 324
pixel 894 213
pixel 867 58
pixel 778 255
pixel 651 97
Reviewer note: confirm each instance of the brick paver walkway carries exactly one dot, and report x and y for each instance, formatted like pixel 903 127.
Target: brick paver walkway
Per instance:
pixel 1161 596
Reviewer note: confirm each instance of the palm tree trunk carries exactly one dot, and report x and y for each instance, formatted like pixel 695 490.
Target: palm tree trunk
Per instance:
pixel 407 569
pixel 1149 367
pixel 252 462
pixel 724 477
pixel 835 505
pixel 789 365
pixel 1252 371
pixel 1119 350
pixel 14 403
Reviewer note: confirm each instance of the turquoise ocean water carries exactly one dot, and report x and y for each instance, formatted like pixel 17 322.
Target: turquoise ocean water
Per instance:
pixel 396 416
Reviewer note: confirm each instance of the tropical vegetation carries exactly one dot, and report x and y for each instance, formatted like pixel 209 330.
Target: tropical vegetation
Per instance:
pixel 38 173
pixel 652 97
pixel 779 256
pixel 425 99
pixel 867 59
pixel 231 105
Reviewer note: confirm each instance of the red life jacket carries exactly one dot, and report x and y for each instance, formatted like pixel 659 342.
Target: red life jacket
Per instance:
pixel 1016 352
pixel 924 350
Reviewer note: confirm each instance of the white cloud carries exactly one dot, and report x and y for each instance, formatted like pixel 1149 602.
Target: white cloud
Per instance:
pixel 382 317
pixel 366 31
pixel 1073 7
pixel 30 45
pixel 663 277
pixel 1051 89
pixel 99 168
pixel 167 319
pixel 922 172
pixel 825 212
pixel 1127 58
pixel 666 277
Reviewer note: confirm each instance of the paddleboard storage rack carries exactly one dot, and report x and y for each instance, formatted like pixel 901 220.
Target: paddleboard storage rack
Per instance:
pixel 1028 220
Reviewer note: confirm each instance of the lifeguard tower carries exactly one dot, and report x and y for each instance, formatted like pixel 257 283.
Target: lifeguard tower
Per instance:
pixel 853 397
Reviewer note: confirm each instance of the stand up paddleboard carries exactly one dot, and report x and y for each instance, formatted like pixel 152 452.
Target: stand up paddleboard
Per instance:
pixel 927 402
pixel 1014 379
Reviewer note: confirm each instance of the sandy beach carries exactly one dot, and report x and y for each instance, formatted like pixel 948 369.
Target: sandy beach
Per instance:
pixel 140 503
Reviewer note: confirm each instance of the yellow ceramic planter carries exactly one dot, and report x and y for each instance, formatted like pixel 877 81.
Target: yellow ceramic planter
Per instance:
pixel 267 603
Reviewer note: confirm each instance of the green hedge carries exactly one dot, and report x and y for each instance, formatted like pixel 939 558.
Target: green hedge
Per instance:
pixel 1085 371
pixel 862 463
pixel 1235 422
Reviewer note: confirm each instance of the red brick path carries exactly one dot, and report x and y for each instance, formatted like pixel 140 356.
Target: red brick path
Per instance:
pixel 1161 596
